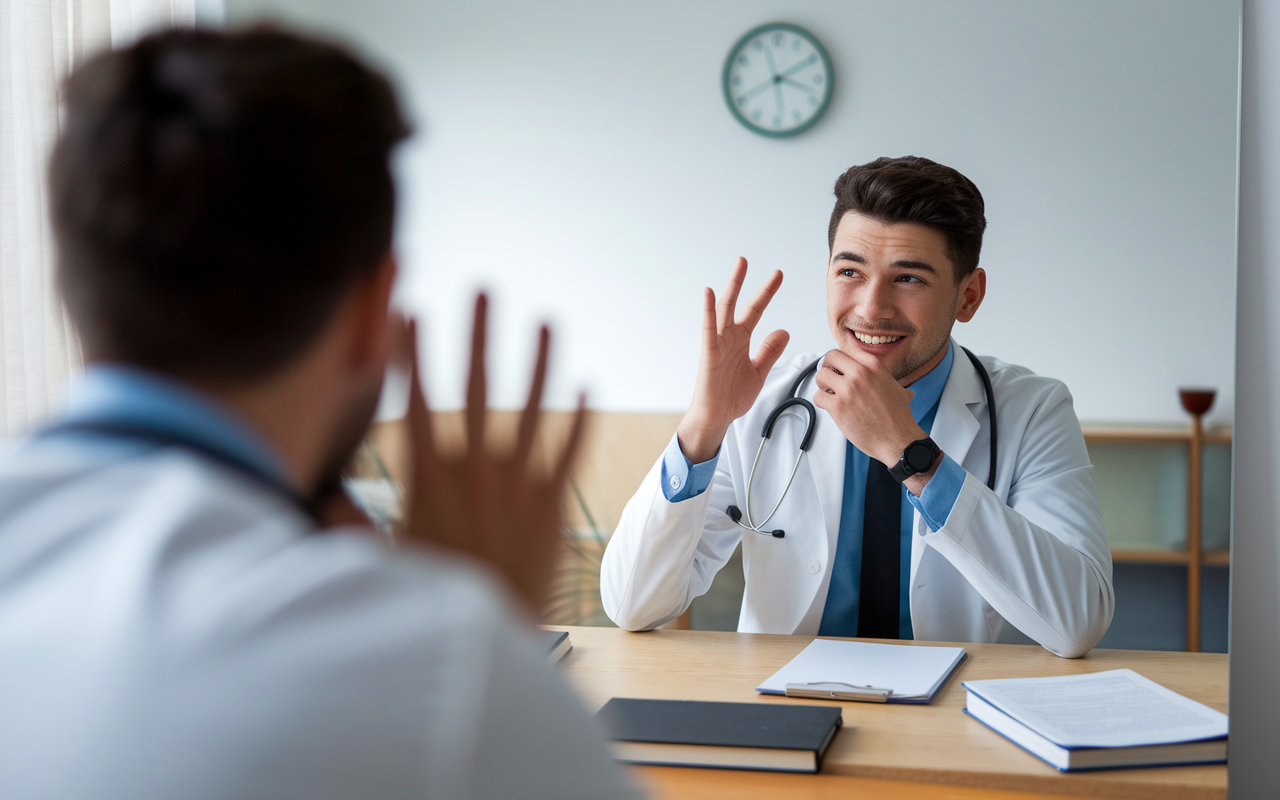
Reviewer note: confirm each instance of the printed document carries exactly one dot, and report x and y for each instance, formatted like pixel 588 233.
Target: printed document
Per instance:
pixel 1118 708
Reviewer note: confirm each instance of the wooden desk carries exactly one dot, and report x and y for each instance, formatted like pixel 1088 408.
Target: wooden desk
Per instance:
pixel 891 750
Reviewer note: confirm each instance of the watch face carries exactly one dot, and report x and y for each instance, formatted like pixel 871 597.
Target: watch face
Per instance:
pixel 777 80
pixel 919 456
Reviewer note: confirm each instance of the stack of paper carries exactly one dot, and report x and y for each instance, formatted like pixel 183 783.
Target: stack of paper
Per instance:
pixel 1103 720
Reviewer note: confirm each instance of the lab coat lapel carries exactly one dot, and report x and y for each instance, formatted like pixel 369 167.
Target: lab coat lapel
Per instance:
pixel 954 429
pixel 955 426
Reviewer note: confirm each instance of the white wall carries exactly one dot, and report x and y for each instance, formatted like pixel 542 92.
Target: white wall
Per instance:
pixel 577 159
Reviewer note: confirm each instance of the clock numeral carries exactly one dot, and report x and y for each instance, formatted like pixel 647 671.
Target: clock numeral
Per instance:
pixel 795 115
pixel 757 44
pixel 744 61
pixel 737 80
pixel 777 121
pixel 817 78
pixel 742 99
pixel 813 101
pixel 778 39
pixel 756 115
pixel 795 44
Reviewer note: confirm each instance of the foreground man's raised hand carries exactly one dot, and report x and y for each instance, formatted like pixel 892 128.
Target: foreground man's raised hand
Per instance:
pixel 489 504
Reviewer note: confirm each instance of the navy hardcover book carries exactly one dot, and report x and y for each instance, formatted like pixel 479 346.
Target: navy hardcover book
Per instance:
pixel 764 736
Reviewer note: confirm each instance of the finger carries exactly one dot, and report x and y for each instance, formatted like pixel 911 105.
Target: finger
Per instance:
pixel 729 300
pixel 709 330
pixel 570 452
pixel 529 418
pixel 837 361
pixel 425 463
pixel 824 380
pixel 760 300
pixel 476 384
pixel 770 351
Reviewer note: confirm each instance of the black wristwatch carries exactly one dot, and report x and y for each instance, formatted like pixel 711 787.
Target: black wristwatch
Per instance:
pixel 916 458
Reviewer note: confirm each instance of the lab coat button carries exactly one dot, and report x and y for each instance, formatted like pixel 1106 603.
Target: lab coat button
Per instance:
pixel 814 566
pixel 675 481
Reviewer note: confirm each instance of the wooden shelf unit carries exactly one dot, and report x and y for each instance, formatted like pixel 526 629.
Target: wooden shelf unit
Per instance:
pixel 1194 557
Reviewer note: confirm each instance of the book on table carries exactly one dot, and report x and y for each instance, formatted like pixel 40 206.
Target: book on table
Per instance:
pixel 694 733
pixel 829 669
pixel 1100 720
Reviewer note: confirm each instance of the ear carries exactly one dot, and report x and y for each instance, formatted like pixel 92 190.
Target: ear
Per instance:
pixel 371 340
pixel 972 290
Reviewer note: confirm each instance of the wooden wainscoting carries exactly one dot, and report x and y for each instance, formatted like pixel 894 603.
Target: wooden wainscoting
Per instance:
pixel 617 451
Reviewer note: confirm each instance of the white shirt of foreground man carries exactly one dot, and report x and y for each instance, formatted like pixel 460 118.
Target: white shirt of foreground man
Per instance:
pixel 1028 558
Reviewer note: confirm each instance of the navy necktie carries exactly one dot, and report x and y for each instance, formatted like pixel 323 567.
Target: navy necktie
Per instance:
pixel 878 594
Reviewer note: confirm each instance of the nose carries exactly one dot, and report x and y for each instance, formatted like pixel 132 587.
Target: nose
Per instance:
pixel 874 301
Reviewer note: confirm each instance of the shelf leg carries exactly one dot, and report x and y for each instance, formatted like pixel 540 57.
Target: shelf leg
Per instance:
pixel 1195 554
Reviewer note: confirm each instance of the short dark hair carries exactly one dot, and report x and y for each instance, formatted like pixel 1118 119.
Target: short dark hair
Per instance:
pixel 214 195
pixel 915 189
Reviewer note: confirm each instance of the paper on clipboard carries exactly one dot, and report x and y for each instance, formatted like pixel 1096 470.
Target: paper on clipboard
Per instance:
pixel 912 673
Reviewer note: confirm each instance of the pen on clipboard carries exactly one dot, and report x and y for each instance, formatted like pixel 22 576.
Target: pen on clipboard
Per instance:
pixel 835 690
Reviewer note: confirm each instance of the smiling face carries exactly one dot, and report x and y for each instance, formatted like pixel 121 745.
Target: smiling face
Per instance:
pixel 892 292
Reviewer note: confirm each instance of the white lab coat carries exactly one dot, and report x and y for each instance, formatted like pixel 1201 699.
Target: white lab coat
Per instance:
pixel 171 629
pixel 1029 559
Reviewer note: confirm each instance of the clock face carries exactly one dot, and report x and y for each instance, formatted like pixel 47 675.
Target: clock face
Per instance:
pixel 777 80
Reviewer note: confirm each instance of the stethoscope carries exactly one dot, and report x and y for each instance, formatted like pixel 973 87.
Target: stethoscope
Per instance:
pixel 811 419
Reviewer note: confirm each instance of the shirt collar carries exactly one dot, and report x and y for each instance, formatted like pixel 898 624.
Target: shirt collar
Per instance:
pixel 132 396
pixel 928 387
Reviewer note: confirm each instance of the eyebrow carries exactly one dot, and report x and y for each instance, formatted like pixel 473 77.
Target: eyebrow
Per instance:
pixel 901 264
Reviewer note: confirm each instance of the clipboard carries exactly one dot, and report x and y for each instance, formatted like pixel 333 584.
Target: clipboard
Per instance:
pixel 865 672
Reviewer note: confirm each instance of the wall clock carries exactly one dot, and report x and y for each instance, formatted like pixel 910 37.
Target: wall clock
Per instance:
pixel 777 80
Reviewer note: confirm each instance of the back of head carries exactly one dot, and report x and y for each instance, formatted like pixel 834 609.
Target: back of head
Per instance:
pixel 915 189
pixel 215 194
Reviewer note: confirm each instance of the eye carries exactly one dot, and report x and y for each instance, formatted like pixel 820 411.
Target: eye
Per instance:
pixel 847 272
pixel 909 279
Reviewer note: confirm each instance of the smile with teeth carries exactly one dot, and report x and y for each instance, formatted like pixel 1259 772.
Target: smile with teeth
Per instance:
pixel 868 339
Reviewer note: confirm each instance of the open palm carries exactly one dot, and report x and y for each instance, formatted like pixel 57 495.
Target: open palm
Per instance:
pixel 729 378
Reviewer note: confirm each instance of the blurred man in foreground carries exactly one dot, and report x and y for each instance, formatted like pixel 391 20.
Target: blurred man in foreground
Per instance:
pixel 178 615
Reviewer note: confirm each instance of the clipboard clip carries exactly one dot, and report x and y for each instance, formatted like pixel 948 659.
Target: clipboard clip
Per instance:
pixel 834 690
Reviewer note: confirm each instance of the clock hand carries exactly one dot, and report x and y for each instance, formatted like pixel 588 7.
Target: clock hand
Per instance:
pixel 768 56
pixel 794 68
pixel 782 109
pixel 799 85
pixel 757 90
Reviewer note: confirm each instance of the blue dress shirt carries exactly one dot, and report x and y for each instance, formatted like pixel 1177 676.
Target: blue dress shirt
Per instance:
pixel 139 398
pixel 682 480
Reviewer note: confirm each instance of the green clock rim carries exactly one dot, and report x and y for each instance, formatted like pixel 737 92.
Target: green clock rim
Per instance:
pixel 826 97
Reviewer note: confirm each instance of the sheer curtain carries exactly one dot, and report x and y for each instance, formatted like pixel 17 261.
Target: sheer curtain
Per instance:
pixel 40 42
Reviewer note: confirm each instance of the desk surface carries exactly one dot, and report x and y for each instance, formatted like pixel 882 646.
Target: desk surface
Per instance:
pixel 933 743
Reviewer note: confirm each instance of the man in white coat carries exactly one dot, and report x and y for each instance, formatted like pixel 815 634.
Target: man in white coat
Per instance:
pixel 891 521
pixel 181 613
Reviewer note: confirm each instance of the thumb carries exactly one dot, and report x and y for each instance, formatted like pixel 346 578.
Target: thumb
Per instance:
pixel 770 350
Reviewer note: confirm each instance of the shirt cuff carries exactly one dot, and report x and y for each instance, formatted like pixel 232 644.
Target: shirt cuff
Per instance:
pixel 940 493
pixel 682 479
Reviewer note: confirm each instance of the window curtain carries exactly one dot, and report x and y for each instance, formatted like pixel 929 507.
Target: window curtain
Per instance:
pixel 40 42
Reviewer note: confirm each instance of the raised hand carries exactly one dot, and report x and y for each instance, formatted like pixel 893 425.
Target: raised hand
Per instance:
pixel 487 504
pixel 729 379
